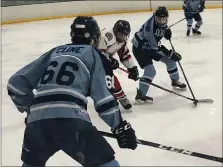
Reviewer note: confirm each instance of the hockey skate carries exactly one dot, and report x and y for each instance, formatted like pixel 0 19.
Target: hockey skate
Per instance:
pixel 142 99
pixel 125 103
pixel 196 32
pixel 188 32
pixel 179 85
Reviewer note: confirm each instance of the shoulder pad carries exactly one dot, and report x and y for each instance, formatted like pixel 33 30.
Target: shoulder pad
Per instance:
pixel 149 23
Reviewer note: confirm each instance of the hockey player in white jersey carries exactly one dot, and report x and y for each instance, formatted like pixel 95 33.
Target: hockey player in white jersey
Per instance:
pixel 58 120
pixel 192 10
pixel 115 41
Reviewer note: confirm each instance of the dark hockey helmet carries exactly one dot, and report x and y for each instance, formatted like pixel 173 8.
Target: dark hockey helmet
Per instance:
pixel 85 30
pixel 161 16
pixel 122 30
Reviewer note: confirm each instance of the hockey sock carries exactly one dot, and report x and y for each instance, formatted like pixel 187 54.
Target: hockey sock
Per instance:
pixel 149 74
pixel 189 24
pixel 171 68
pixel 198 25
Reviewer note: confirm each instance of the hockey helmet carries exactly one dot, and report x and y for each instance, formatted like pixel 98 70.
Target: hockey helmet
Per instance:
pixel 161 16
pixel 122 30
pixel 85 30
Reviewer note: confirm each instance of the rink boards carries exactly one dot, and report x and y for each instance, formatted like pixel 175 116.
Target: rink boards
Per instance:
pixel 47 11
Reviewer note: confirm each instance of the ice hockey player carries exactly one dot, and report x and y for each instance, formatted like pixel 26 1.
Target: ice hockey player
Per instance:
pixel 192 10
pixel 115 41
pixel 58 119
pixel 146 48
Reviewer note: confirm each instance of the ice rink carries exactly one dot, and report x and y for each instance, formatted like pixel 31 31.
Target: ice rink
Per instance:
pixel 171 120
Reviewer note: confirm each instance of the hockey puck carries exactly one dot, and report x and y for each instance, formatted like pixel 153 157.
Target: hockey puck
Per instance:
pixel 195 103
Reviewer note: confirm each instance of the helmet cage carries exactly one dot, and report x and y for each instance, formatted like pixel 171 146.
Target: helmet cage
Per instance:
pixel 122 36
pixel 161 21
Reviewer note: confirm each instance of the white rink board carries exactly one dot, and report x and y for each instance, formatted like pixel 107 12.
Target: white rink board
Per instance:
pixel 179 4
pixel 68 9
pixel 171 120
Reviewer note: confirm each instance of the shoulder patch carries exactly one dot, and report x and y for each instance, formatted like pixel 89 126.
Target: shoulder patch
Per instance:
pixel 109 36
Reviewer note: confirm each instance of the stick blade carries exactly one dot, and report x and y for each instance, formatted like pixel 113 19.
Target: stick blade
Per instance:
pixel 205 101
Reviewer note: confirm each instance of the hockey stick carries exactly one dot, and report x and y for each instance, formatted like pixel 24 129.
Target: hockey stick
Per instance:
pixel 177 22
pixel 195 102
pixel 170 148
pixel 170 91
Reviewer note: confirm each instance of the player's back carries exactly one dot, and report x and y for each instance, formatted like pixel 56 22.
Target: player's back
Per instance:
pixel 63 89
pixel 192 5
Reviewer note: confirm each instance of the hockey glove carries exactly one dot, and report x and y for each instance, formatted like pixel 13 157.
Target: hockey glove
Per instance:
pixel 168 34
pixel 133 73
pixel 184 6
pixel 125 135
pixel 202 6
pixel 174 56
pixel 114 63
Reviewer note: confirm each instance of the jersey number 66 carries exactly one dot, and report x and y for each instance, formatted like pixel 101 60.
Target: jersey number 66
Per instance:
pixel 62 72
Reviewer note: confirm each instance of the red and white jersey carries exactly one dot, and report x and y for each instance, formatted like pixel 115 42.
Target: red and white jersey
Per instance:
pixel 109 45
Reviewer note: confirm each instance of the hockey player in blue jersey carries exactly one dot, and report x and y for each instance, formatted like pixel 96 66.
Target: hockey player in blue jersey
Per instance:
pixel 192 10
pixel 58 120
pixel 146 48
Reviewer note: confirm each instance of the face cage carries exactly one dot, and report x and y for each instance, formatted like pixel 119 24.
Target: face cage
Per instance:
pixel 122 37
pixel 162 21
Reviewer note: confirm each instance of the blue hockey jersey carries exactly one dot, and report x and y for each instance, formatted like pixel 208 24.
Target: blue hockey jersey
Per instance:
pixel 149 35
pixel 193 6
pixel 63 78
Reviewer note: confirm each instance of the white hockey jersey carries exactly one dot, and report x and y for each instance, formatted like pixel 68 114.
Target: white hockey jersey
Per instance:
pixel 109 45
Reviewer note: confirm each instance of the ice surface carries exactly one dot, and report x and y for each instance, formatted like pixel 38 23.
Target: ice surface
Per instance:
pixel 171 120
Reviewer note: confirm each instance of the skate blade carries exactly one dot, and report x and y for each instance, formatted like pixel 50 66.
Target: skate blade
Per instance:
pixel 140 102
pixel 195 34
pixel 128 107
pixel 127 111
pixel 205 101
pixel 179 89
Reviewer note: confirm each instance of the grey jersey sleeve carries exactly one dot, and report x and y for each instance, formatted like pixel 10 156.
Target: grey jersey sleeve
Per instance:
pixel 21 85
pixel 104 102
